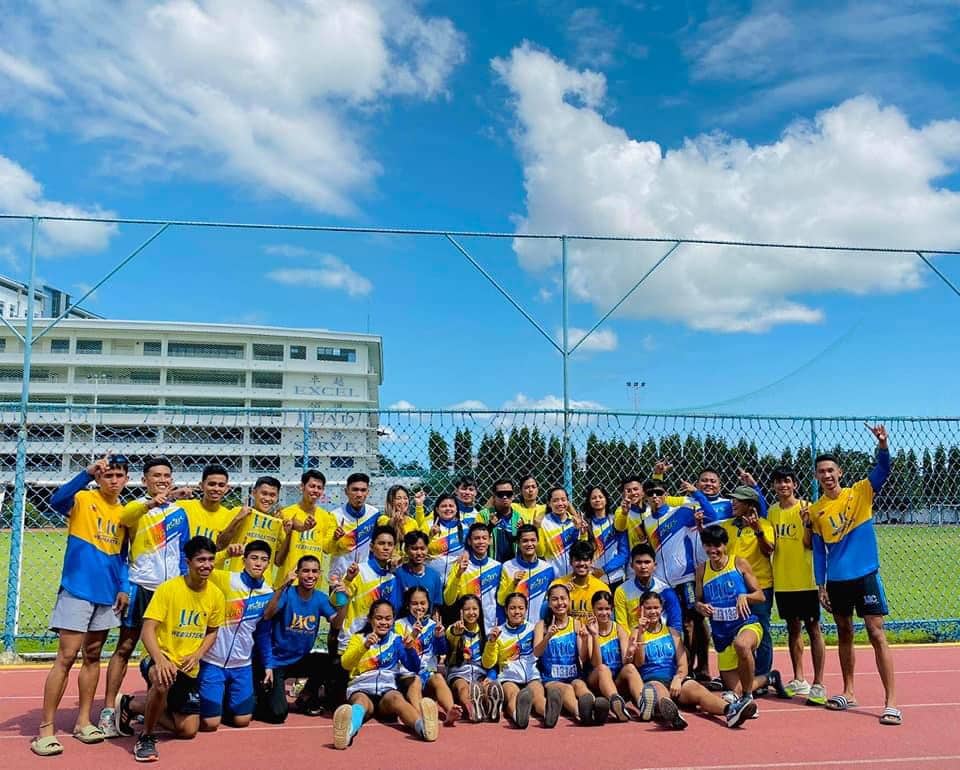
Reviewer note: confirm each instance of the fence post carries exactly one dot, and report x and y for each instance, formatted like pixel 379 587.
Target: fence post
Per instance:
pixel 814 486
pixel 307 418
pixel 567 448
pixel 15 564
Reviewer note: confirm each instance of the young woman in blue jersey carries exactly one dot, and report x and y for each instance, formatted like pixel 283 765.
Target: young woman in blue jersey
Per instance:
pixel 562 646
pixel 612 551
pixel 662 661
pixel 448 537
pixel 612 672
pixel 430 642
pixel 560 528
pixel 396 514
pixel 373 659
pixel 480 697
pixel 509 652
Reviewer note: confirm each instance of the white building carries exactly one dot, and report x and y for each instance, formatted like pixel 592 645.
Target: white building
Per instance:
pixel 49 302
pixel 122 386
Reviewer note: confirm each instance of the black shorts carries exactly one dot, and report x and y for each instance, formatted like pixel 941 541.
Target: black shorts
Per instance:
pixel 864 594
pixel 183 697
pixel 139 599
pixel 687 594
pixel 798 605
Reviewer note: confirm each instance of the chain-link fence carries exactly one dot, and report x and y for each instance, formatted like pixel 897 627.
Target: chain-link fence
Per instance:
pixel 918 511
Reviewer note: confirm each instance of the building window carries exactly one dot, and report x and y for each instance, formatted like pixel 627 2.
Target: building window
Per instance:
pixel 298 352
pixel 59 346
pixel 336 354
pixel 341 462
pixel 204 350
pixel 152 348
pixel 89 347
pixel 262 352
pixel 215 378
pixel 3 344
pixel 271 380
pixel 3 308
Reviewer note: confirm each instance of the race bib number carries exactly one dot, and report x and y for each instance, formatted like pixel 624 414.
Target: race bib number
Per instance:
pixel 563 672
pixel 725 613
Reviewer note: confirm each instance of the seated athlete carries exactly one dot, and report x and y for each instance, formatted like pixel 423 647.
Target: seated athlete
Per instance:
pixel 612 672
pixel 479 695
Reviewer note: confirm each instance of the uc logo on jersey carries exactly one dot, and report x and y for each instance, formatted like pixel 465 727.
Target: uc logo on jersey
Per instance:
pixel 303 622
pixel 189 618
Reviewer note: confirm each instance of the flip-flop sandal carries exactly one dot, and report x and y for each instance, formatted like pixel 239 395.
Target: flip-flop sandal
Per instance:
pixel 840 703
pixel 89 734
pixel 891 716
pixel 46 746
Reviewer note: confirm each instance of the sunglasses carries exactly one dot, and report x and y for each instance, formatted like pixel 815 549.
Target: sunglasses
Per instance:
pixel 504 494
pixel 656 493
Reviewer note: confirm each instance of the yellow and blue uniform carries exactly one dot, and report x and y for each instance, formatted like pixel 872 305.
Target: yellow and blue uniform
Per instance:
pixel 612 552
pixel 844 541
pixel 371 583
pixel 95 559
pixel 157 536
pixel 511 655
pixel 659 656
pixel 581 596
pixel 465 658
pixel 667 531
pixel 354 546
pixel 630 522
pixel 183 618
pixel 227 667
pixel 721 588
pixel 445 548
pixel 560 661
pixel 530 578
pixel 792 560
pixel 480 578
pixel 610 652
pixel 374 671
pixel 627 607
pixel 556 536
pixel 311 542
pixel 428 646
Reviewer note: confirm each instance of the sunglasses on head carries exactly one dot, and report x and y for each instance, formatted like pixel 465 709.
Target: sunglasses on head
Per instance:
pixel 504 493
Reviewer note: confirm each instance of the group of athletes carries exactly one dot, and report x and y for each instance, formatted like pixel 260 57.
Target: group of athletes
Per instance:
pixel 518 608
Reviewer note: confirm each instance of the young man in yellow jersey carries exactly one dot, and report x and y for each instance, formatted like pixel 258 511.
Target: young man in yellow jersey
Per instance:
pixel 208 515
pixel 795 589
pixel 179 628
pixel 93 593
pixel 629 516
pixel 254 522
pixel 310 533
pixel 581 582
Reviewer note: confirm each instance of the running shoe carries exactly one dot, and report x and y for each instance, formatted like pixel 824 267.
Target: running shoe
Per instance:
pixel 618 706
pixel 600 712
pixel 715 685
pixel 554 706
pixel 122 716
pixel 494 701
pixel 743 709
pixel 476 701
pixel 775 681
pixel 108 723
pixel 585 708
pixel 145 749
pixel 817 695
pixel 647 703
pixel 729 696
pixel 670 715
pixel 430 719
pixel 797 687
pixel 342 722
pixel 521 713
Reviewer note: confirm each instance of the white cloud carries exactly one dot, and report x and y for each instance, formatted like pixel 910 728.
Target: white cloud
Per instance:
pixel 859 173
pixel 334 274
pixel 601 341
pixel 271 94
pixel 21 193
pixel 471 404
pixel 648 343
pixel 548 402
pixel 401 405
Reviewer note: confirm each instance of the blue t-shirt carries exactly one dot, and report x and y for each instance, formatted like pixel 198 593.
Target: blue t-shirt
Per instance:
pixel 294 628
pixel 430 580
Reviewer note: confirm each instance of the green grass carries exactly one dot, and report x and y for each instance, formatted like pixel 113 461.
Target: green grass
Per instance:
pixel 919 572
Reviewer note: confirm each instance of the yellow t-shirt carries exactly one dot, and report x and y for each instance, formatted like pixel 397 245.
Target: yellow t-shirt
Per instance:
pixel 207 523
pixel 792 562
pixel 531 514
pixel 581 597
pixel 256 526
pixel 743 543
pixel 312 542
pixel 184 616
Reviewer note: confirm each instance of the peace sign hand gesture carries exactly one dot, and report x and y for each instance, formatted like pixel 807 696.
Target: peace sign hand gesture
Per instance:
pixel 879 433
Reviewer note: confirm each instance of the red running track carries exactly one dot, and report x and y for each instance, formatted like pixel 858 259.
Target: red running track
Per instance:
pixel 787 735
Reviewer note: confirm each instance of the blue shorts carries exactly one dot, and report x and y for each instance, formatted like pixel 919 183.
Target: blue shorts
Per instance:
pixel 139 600
pixel 227 690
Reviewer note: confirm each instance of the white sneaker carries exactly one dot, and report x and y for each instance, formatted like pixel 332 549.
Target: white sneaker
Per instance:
pixel 817 695
pixel 797 687
pixel 108 724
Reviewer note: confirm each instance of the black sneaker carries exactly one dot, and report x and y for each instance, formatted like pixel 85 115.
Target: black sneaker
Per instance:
pixel 618 707
pixel 670 715
pixel 601 709
pixel 145 749
pixel 122 715
pixel 585 708
pixel 554 706
pixel 775 681
pixel 521 713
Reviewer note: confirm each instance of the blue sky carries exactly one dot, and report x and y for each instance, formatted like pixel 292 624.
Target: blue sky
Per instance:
pixel 776 121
